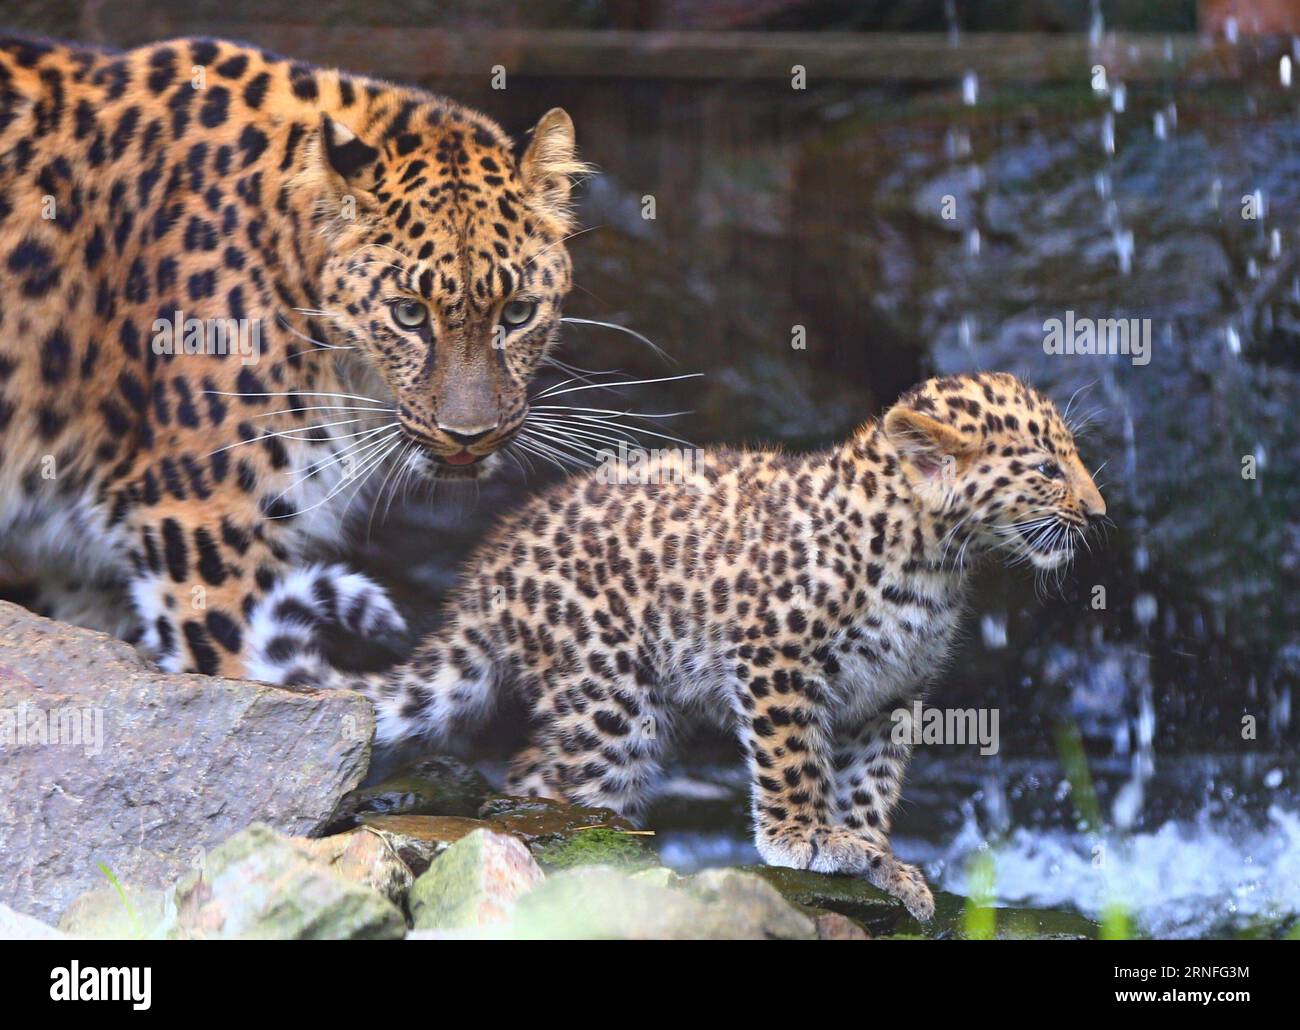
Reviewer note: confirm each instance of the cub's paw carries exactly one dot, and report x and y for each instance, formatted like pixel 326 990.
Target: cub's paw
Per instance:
pixel 906 883
pixel 821 849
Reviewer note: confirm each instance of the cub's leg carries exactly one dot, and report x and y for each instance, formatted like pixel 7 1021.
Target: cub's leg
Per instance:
pixel 598 737
pixel 869 769
pixel 787 733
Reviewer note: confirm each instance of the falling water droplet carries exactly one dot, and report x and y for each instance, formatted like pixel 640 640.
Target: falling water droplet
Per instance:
pixel 1124 249
pixel 1273 779
pixel 1097 25
pixel 1159 126
pixel 1172 113
pixel 1141 558
pixel 1284 70
pixel 970 89
pixel 973 243
pixel 1216 191
pixel 1233 340
pixel 965 333
pixel 1145 609
pixel 1252 269
pixel 1275 244
pixel 993 627
pixel 1261 457
pixel 1101 183
pixel 1128 804
pixel 1108 133
pixel 1230 32
pixel 1119 98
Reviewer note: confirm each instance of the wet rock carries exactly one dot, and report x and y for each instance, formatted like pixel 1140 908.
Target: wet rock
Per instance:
pixel 563 836
pixel 260 884
pixel 440 785
pixel 475 882
pixel 882 915
pixel 14 926
pixel 606 904
pixel 419 839
pixel 119 913
pixel 107 760
pixel 950 922
pixel 537 820
pixel 364 856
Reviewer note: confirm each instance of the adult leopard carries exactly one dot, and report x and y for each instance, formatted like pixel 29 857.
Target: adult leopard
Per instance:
pixel 233 285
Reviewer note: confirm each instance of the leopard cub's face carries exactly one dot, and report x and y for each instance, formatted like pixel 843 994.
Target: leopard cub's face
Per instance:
pixel 450 275
pixel 997 466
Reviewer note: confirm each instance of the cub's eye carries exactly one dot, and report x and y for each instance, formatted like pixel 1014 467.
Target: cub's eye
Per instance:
pixel 409 314
pixel 517 313
pixel 1050 469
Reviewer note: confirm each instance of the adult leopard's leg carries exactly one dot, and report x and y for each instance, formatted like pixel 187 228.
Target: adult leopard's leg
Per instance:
pixel 787 734
pixel 202 575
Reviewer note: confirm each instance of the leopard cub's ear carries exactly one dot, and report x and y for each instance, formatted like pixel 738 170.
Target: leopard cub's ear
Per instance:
pixel 345 152
pixel 549 166
pixel 926 443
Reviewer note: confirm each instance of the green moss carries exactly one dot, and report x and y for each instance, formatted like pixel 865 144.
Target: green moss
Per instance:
pixel 597 846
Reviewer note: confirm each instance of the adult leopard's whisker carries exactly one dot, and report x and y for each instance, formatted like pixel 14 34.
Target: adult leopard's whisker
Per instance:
pixel 610 411
pixel 293 393
pixel 292 434
pixel 613 386
pixel 324 407
pixel 635 429
pixel 622 329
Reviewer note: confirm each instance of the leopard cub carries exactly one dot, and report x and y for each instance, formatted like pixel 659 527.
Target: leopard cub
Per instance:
pixel 799 600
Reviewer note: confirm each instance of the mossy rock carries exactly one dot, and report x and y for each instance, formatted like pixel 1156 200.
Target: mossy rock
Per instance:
pixel 597 846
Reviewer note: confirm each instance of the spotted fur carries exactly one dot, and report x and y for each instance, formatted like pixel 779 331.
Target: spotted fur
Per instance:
pixel 217 180
pixel 798 600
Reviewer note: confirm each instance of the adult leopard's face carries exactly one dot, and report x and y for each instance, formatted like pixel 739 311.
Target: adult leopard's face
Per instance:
pixel 996 464
pixel 449 270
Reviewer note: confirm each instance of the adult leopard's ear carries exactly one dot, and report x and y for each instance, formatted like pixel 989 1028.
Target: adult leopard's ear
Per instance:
pixel 345 152
pixel 931 447
pixel 549 166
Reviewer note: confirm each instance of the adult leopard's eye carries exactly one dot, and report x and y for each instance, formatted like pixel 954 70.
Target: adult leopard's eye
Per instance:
pixel 410 314
pixel 1050 469
pixel 517 313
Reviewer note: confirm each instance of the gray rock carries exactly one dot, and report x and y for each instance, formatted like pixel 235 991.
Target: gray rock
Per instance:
pixel 141 771
pixel 605 904
pixel 261 885
pixel 14 926
pixel 475 882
